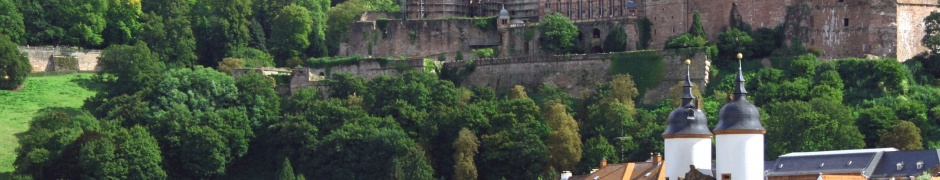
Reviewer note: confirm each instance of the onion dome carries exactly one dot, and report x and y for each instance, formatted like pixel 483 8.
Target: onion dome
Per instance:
pixel 687 120
pixel 739 116
pixel 503 13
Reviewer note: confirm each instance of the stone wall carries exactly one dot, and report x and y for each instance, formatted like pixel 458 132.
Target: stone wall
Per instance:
pixel 368 69
pixel 417 38
pixel 577 74
pixel 41 57
pixel 910 26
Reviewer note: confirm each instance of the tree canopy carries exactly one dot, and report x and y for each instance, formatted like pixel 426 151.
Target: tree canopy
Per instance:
pixel 557 33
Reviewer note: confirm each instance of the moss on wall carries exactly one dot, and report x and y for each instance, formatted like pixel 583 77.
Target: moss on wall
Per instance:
pixel 646 67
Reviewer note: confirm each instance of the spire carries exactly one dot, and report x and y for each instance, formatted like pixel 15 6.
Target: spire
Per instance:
pixel 739 91
pixel 688 97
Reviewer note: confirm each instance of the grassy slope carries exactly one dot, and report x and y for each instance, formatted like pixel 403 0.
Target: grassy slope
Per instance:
pixel 18 108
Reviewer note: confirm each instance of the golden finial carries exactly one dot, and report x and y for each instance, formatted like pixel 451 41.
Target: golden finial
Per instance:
pixel 740 56
pixel 687 61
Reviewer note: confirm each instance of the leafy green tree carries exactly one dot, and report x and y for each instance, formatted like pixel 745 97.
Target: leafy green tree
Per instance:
pixel 167 27
pixel 221 27
pixel 12 21
pixel 254 57
pixel 873 120
pixel 289 39
pixel 564 142
pixel 557 33
pixel 229 64
pixel 616 40
pixel 823 125
pixel 286 172
pixel 931 37
pixel 123 25
pixel 47 150
pixel 124 70
pixel 345 84
pixel 514 148
pixel 197 120
pixel 262 103
pixel 319 11
pixel 137 158
pixel 697 29
pixel 82 21
pixel 686 40
pixel 14 66
pixel 349 152
pixel 466 148
pixel 904 135
pixel 595 149
pixel 734 41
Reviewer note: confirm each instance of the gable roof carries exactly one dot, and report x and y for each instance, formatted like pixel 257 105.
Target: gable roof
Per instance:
pixel 908 161
pixel 623 171
pixel 829 162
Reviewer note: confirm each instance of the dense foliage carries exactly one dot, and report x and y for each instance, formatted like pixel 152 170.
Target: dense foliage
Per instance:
pixel 557 33
pixel 14 66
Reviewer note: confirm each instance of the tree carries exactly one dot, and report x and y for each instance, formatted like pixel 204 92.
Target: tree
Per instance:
pixel 221 27
pixel 14 66
pixel 124 70
pixel 196 118
pixel 466 148
pixel 12 21
pixel 734 41
pixel 514 148
pixel 616 40
pixel 138 155
pixel 564 142
pixel 931 37
pixel 289 39
pixel 167 27
pixel 262 103
pixel 818 125
pixel 229 64
pixel 46 149
pixel 557 33
pixel 904 135
pixel 595 149
pixel 697 29
pixel 286 172
pixel 873 120
pixel 123 24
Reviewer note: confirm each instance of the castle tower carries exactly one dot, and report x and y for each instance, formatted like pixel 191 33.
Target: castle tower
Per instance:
pixel 502 25
pixel 739 137
pixel 688 140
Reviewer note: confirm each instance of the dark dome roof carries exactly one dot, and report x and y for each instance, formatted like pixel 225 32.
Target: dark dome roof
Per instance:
pixel 739 114
pixel 687 119
pixel 503 13
pixel 679 122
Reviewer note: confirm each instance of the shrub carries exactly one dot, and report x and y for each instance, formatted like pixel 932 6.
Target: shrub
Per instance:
pixel 14 66
pixel 229 64
pixel 483 53
pixel 685 41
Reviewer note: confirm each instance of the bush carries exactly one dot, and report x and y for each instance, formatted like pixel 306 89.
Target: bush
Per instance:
pixel 253 57
pixel 14 66
pixel 616 41
pixel 459 56
pixel 645 66
pixel 558 33
pixel 734 41
pixel 65 63
pixel 229 64
pixel 483 53
pixel 685 41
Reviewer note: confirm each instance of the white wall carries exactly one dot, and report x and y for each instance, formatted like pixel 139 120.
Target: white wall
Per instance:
pixel 741 155
pixel 682 152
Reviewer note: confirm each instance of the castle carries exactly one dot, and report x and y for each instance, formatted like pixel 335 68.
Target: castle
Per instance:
pixel 840 28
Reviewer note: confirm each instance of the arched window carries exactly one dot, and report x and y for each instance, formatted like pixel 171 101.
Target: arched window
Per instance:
pixel 597 33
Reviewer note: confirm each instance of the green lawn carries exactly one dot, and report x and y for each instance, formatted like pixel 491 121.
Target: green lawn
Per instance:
pixel 18 108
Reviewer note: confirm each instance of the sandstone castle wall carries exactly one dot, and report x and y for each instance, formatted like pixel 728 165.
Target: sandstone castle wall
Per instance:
pixel 41 57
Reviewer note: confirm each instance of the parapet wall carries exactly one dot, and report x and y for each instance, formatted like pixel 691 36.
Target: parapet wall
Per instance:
pixel 41 57
pixel 368 69
pixel 418 38
pixel 576 74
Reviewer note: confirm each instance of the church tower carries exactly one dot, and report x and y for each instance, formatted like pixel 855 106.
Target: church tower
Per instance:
pixel 739 141
pixel 688 140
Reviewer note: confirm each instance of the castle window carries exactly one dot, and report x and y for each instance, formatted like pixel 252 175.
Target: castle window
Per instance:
pixel 596 33
pixel 845 22
pixel 841 0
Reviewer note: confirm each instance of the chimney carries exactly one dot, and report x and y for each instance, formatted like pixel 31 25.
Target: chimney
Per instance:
pixel 657 158
pixel 603 162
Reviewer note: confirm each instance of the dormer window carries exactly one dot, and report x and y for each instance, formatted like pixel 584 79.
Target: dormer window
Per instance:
pixel 920 164
pixel 900 165
pixel 821 165
pixel 850 163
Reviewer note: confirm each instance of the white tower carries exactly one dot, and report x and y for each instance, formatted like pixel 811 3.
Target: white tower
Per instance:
pixel 739 137
pixel 688 140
